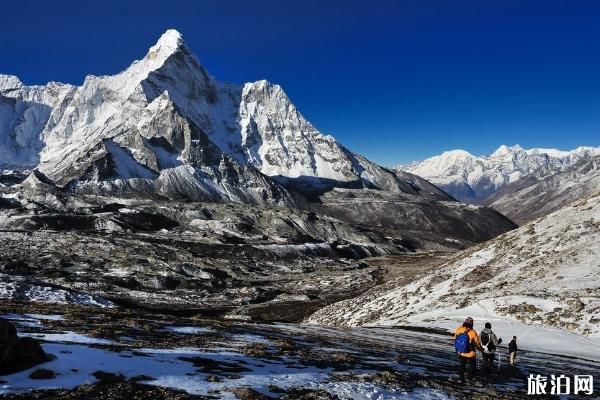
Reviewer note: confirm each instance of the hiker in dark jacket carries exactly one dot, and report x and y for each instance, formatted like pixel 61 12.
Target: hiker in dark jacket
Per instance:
pixel 489 343
pixel 512 351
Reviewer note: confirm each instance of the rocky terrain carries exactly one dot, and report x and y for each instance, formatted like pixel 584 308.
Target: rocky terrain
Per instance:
pixel 217 259
pixel 207 258
pixel 475 178
pixel 160 231
pixel 118 354
pixel 542 273
pixel 545 190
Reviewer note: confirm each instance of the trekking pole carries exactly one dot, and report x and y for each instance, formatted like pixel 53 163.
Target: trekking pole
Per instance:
pixel 499 358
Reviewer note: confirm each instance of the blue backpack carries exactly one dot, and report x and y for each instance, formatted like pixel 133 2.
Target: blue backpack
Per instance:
pixel 462 343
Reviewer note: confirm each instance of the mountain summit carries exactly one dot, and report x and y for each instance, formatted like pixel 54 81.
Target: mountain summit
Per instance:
pixel 166 112
pixel 164 128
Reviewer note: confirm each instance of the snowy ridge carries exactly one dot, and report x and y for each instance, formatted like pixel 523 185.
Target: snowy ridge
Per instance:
pixel 542 273
pixel 134 131
pixel 543 192
pixel 24 113
pixel 474 178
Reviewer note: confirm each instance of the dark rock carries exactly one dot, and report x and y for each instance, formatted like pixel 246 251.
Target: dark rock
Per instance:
pixel 8 335
pixel 165 282
pixel 140 378
pixel 9 203
pixel 249 394
pixel 108 377
pixel 62 222
pixel 214 378
pixel 42 373
pixel 22 354
pixel 208 365
pixel 142 221
pixel 207 214
pixel 110 207
pixel 308 394
pixel 127 283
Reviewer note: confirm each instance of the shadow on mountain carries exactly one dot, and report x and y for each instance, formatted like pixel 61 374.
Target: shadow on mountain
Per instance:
pixel 12 178
pixel 27 147
pixel 313 187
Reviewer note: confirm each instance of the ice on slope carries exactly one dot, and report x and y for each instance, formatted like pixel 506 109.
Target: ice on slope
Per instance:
pixel 126 166
pixel 25 111
pixel 297 148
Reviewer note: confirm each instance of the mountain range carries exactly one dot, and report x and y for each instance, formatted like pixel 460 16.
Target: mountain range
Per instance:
pixel 475 178
pixel 166 113
pixel 165 129
pixel 151 216
pixel 544 190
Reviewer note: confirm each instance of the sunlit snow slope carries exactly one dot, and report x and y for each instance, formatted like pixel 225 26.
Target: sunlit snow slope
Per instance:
pixel 545 191
pixel 545 272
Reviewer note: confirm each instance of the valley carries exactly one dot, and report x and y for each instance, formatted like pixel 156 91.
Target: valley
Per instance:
pixel 164 234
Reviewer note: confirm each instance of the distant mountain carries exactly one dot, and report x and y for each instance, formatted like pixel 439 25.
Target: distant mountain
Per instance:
pixel 545 273
pixel 544 190
pixel 474 178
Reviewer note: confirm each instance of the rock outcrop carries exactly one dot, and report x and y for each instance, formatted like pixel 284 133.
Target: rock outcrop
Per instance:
pixel 18 354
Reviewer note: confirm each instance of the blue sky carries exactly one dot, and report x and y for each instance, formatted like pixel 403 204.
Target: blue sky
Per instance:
pixel 393 80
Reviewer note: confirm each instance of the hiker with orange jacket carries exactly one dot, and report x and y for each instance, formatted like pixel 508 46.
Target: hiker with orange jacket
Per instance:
pixel 466 342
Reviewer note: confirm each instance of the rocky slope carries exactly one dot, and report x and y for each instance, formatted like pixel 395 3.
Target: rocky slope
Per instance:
pixel 545 191
pixel 213 258
pixel 542 273
pixel 218 259
pixel 474 178
pixel 121 354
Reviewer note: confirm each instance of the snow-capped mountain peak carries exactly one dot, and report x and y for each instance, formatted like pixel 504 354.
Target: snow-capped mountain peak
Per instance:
pixel 504 150
pixel 9 82
pixel 456 154
pixel 165 119
pixel 474 178
pixel 168 43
